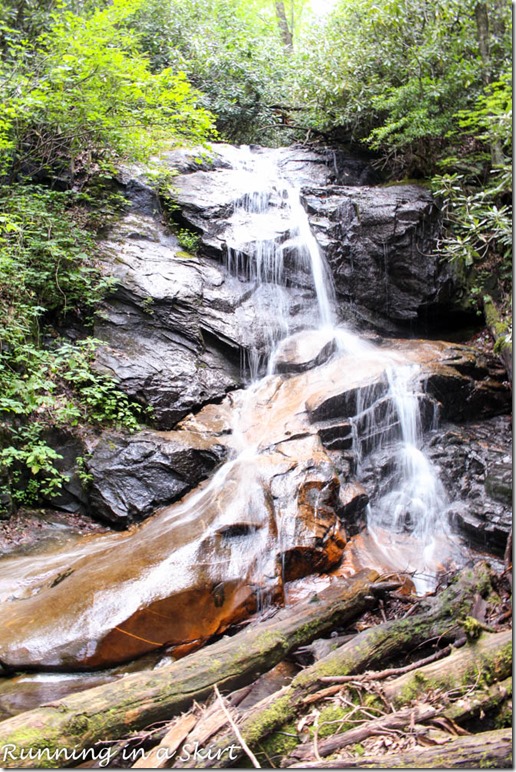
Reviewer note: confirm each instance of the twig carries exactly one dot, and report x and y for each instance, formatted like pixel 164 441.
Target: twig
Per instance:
pixel 316 733
pixel 393 671
pixel 236 730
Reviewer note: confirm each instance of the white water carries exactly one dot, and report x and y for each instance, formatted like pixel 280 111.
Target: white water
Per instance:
pixel 271 260
pixel 408 522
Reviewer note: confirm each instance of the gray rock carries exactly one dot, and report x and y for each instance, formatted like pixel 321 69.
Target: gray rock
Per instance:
pixel 303 351
pixel 474 461
pixel 164 343
pixel 379 241
pixel 380 245
pixel 132 476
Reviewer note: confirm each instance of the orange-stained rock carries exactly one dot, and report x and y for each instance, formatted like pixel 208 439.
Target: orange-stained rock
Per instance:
pixel 271 512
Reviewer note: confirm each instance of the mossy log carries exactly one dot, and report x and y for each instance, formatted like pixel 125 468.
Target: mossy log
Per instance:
pixel 113 710
pixel 398 720
pixel 484 661
pixel 477 751
pixel 373 647
pixel 471 706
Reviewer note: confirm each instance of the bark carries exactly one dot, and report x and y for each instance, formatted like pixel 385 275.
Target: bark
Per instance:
pixel 480 702
pixel 482 22
pixel 160 755
pixel 477 751
pixel 115 709
pixel 441 621
pixel 285 32
pixel 488 658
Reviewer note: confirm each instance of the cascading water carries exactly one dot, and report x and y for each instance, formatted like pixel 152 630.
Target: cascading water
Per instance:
pixel 270 261
pixel 414 505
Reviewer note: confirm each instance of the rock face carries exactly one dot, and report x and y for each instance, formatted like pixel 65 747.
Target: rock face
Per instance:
pixel 281 506
pixel 253 487
pixel 475 464
pixel 178 327
pixel 166 343
pixel 379 241
pixel 133 476
pixel 380 244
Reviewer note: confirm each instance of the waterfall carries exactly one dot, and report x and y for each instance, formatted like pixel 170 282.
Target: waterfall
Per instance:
pixel 271 261
pixel 224 548
pixel 409 513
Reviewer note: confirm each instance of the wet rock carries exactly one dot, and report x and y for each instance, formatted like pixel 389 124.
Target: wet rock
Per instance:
pixel 279 508
pixel 72 496
pixel 380 244
pixel 306 502
pixel 354 500
pixel 132 476
pixel 474 462
pixel 303 351
pixel 157 344
pixel 468 385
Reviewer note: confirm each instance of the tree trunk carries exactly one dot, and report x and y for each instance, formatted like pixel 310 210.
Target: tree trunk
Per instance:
pixel 358 734
pixel 369 648
pixel 477 751
pixel 113 710
pixel 285 31
pixel 480 702
pixel 489 658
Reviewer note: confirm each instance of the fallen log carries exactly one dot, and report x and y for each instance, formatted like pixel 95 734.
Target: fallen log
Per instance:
pixel 160 755
pixel 480 702
pixel 111 711
pixel 488 658
pixel 440 621
pixel 477 751
pixel 398 720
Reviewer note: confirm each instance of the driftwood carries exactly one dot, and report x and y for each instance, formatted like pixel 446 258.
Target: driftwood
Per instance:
pixel 113 710
pixel 159 757
pixel 489 657
pixel 477 751
pixel 441 621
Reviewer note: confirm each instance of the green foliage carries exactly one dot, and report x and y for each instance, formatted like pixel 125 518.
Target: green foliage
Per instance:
pixel 82 96
pixel 394 73
pixel 478 234
pixel 188 240
pixel 49 273
pixel 230 50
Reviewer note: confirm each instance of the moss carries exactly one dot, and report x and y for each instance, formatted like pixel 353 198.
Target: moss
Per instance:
pixel 275 716
pixel 358 749
pixel 472 628
pixel 337 716
pixel 270 640
pixel 280 744
pixel 417 684
pixel 504 718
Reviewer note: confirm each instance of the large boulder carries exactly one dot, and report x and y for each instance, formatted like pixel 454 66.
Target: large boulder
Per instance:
pixel 284 503
pixel 380 241
pixel 475 464
pixel 166 345
pixel 132 476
